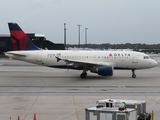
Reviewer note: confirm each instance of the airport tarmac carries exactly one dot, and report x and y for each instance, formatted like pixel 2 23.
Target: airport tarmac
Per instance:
pixel 60 94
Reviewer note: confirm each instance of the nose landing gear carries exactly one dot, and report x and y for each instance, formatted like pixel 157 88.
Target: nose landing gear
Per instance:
pixel 133 73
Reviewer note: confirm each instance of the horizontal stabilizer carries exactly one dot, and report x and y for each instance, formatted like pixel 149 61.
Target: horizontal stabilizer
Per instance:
pixel 11 54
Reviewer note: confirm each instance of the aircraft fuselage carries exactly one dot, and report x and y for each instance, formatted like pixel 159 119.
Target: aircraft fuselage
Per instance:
pixel 117 59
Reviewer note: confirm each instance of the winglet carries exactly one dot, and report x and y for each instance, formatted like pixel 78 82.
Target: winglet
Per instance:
pixel 20 40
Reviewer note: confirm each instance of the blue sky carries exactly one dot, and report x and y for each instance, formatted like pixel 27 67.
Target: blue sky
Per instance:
pixel 108 21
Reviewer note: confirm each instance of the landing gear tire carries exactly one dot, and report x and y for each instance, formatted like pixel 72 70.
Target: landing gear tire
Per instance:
pixel 83 75
pixel 133 76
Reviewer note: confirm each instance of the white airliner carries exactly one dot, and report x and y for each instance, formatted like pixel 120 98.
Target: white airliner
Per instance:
pixel 101 62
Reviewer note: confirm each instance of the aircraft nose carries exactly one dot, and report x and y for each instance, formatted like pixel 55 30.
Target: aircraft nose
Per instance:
pixel 154 63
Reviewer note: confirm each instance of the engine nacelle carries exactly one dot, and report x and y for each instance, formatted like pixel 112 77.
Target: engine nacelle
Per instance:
pixel 104 70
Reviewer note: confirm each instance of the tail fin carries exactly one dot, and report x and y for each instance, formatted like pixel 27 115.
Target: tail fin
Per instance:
pixel 20 40
pixel 136 48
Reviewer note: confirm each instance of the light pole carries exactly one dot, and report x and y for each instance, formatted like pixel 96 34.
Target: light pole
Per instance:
pixel 79 34
pixel 86 37
pixel 65 35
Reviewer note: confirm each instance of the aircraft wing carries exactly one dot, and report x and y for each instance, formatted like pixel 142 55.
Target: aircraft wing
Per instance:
pixel 85 63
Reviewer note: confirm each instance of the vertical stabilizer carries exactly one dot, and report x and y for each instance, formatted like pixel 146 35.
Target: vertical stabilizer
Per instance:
pixel 136 48
pixel 20 40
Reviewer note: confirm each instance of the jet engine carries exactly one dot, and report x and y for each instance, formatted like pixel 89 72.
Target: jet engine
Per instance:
pixel 103 70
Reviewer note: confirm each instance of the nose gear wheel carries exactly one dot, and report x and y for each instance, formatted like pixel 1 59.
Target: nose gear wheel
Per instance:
pixel 133 73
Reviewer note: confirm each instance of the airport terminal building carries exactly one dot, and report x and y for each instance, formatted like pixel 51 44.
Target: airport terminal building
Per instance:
pixel 38 39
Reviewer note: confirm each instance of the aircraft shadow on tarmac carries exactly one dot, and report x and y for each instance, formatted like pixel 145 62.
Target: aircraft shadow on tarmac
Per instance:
pixel 92 77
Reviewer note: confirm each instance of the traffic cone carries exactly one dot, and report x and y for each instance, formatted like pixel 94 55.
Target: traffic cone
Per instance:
pixel 34 118
pixel 18 118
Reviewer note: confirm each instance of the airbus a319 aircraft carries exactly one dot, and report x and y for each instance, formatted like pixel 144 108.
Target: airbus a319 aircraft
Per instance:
pixel 101 62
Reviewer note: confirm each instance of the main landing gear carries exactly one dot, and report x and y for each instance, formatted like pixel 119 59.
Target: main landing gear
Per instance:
pixel 133 74
pixel 83 75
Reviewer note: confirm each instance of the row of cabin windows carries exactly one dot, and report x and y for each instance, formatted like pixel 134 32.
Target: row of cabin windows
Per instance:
pixel 103 57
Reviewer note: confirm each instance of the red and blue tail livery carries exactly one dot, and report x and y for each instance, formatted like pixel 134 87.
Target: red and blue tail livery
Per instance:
pixel 20 40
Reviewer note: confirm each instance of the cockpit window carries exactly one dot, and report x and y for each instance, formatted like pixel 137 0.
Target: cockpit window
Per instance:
pixel 146 57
